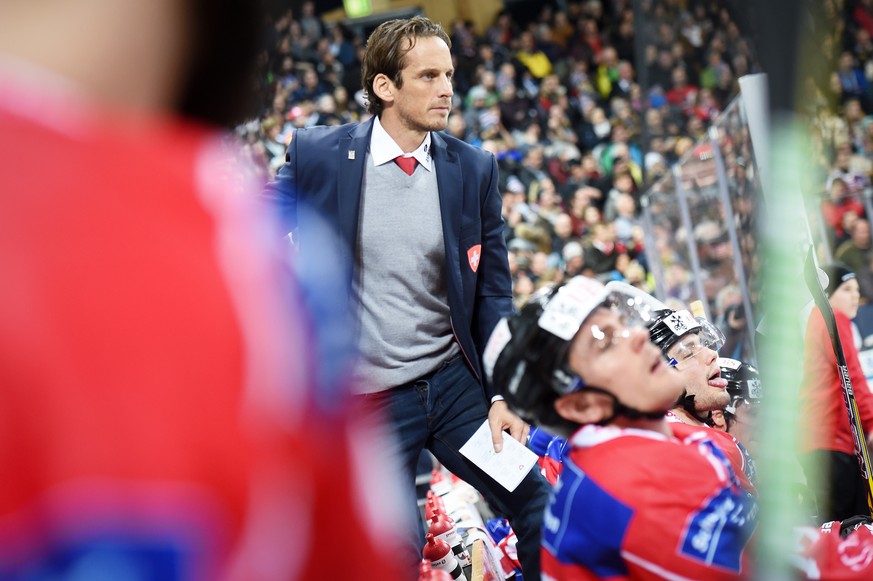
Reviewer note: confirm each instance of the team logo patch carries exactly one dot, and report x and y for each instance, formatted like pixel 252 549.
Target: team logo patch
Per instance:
pixel 474 253
pixel 681 322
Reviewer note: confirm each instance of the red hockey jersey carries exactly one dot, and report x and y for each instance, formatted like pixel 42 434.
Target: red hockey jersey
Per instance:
pixel 158 417
pixel 625 508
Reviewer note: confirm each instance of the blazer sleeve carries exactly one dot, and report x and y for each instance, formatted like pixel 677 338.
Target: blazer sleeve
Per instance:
pixel 281 194
pixel 494 286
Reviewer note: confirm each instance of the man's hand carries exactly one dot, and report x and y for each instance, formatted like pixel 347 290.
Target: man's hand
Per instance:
pixel 500 418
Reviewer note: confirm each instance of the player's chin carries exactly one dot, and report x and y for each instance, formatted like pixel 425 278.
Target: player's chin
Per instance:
pixel 438 124
pixel 439 116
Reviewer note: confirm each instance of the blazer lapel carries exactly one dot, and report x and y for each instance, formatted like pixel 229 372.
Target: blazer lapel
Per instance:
pixel 451 192
pixel 352 153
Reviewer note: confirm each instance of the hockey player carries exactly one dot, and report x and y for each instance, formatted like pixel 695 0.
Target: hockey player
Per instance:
pixel 686 340
pixel 739 417
pixel 639 497
pixel 166 412
pixel 691 344
pixel 572 358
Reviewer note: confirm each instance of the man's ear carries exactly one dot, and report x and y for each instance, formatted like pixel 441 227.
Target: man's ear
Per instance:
pixel 584 407
pixel 383 88
pixel 718 420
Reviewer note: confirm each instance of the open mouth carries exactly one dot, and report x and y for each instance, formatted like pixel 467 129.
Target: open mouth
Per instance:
pixel 715 380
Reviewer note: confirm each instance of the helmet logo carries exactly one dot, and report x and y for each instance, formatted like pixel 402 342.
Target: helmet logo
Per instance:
pixel 681 322
pixel 473 255
pixel 754 387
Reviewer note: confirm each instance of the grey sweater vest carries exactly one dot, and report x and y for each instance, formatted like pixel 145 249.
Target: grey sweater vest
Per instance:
pixel 405 329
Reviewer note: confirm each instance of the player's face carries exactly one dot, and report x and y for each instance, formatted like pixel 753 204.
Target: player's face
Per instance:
pixel 701 373
pixel 612 356
pixel 743 428
pixel 846 298
pixel 424 100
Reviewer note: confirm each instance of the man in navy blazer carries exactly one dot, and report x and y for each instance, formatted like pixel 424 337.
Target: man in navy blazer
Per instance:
pixel 418 213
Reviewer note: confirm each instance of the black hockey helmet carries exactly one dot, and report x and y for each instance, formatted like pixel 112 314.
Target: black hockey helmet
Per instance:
pixel 744 381
pixel 526 356
pixel 670 327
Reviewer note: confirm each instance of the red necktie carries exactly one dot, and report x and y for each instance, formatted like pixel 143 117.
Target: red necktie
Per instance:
pixel 407 164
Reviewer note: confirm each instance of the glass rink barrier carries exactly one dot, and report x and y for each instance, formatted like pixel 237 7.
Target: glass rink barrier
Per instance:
pixel 700 223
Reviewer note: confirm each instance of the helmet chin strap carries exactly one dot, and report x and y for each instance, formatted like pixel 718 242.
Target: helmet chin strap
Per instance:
pixel 686 402
pixel 618 408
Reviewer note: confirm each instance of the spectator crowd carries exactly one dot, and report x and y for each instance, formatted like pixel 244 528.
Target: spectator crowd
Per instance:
pixel 580 127
pixel 841 112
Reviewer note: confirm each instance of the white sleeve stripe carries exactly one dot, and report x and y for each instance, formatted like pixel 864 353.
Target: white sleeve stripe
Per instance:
pixel 653 568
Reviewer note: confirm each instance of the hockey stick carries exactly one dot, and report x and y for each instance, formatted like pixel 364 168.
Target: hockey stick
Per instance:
pixel 810 274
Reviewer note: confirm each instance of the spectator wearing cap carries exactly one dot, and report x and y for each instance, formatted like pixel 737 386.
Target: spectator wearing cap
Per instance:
pixel 574 259
pixel 827 447
pixel 477 99
pixel 726 86
pixel 515 209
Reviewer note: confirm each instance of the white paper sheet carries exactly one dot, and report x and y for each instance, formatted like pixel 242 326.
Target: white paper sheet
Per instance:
pixel 509 467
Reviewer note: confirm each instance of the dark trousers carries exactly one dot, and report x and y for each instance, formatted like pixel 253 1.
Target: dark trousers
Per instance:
pixel 440 413
pixel 840 492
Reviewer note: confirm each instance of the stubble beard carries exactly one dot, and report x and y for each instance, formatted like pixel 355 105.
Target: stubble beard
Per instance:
pixel 425 124
pixel 712 401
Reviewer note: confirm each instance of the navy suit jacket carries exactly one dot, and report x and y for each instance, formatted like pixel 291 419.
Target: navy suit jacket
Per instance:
pixel 323 173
